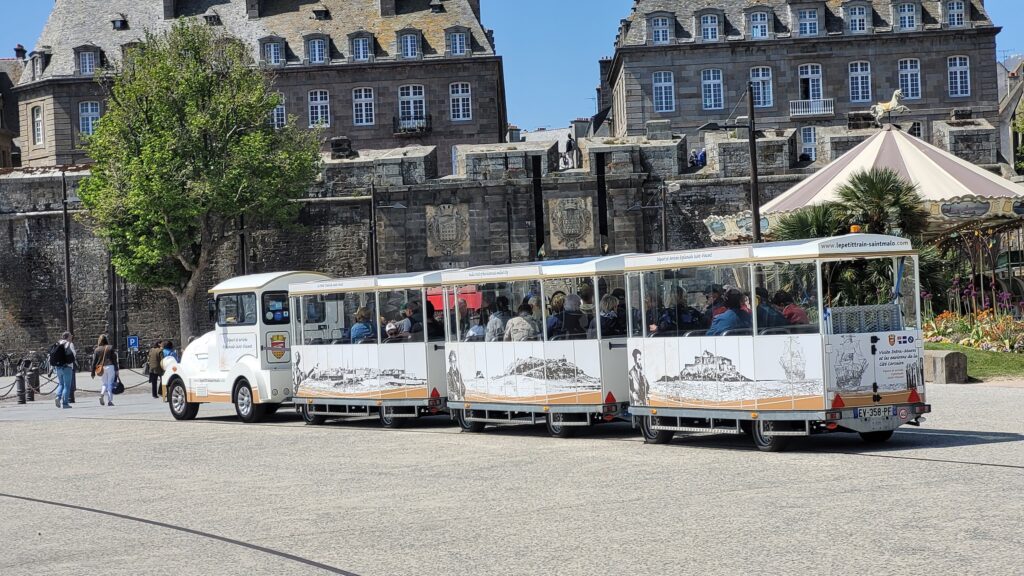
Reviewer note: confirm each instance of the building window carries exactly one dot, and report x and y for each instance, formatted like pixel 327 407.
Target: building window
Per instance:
pixel 810 81
pixel 711 89
pixel 272 53
pixel 908 16
pixel 955 13
pixel 860 82
pixel 412 107
pixel 915 130
pixel 761 84
pixel 759 25
pixel 317 51
pixel 709 27
pixel 279 116
pixel 86 62
pixel 37 67
pixel 661 32
pixel 910 78
pixel 808 20
pixel 664 92
pixel 461 101
pixel 319 108
pixel 37 126
pixel 959 76
pixel 457 43
pixel 857 18
pixel 362 107
pixel 361 49
pixel 410 46
pixel 88 115
pixel 809 143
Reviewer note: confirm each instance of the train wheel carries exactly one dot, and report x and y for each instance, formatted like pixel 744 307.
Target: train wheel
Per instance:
pixel 876 437
pixel 557 428
pixel 247 410
pixel 468 426
pixel 310 418
pixel 765 442
pixel 389 420
pixel 652 436
pixel 181 408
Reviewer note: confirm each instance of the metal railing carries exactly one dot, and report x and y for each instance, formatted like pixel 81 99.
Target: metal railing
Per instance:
pixel 822 107
pixel 415 125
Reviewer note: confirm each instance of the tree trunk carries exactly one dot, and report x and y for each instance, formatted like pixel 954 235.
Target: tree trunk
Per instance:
pixel 187 312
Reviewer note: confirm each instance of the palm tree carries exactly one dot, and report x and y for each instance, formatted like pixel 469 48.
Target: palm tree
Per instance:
pixel 818 221
pixel 883 202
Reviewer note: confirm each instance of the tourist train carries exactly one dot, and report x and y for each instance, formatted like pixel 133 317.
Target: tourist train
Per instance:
pixel 771 340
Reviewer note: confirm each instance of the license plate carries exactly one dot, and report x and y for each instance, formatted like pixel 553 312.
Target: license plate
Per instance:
pixel 874 412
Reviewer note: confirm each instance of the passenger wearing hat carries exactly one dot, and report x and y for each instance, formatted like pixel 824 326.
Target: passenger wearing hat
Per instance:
pixel 734 317
pixel 392 333
pixel 716 303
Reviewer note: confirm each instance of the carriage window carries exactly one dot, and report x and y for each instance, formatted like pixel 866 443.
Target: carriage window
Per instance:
pixel 709 300
pixel 406 317
pixel 786 298
pixel 275 309
pixel 635 319
pixel 236 309
pixel 870 295
pixel 571 309
pixel 499 311
pixel 338 319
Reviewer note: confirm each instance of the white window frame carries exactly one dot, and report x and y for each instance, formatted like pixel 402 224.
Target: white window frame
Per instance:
pixel 37 67
pixel 813 74
pixel 860 81
pixel 316 49
pixel 956 13
pixel 460 101
pixel 761 79
pixel 958 76
pixel 661 30
pixel 910 78
pixel 319 108
pixel 809 147
pixel 664 92
pixel 273 53
pixel 363 106
pixel 38 126
pixel 412 104
pixel 86 62
pixel 712 89
pixel 458 45
pixel 808 21
pixel 759 25
pixel 916 127
pixel 857 19
pixel 709 28
pixel 279 115
pixel 88 116
pixel 410 46
pixel 907 16
pixel 362 48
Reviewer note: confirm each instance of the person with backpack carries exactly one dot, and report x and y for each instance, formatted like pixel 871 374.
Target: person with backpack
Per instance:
pixel 62 359
pixel 156 354
pixel 104 365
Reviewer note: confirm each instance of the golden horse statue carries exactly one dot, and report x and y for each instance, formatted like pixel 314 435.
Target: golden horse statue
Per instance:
pixel 893 106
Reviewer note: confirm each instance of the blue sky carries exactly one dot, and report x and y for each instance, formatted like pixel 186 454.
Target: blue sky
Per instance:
pixel 551 48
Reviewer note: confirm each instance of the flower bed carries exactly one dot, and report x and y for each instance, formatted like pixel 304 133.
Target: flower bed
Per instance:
pixel 984 331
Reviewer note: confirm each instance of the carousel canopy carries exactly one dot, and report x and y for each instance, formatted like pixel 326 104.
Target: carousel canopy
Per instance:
pixel 955 192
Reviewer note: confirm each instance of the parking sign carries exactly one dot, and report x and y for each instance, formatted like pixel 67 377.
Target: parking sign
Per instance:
pixel 133 342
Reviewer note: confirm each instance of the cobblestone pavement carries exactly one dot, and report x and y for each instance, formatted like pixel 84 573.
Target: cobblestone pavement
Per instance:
pixel 127 490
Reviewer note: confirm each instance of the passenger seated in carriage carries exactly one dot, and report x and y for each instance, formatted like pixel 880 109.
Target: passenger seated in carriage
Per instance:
pixel 768 316
pixel 734 317
pixel 790 311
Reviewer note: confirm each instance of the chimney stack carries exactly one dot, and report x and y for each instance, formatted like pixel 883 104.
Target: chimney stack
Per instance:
pixel 169 12
pixel 387 8
pixel 20 52
pixel 252 8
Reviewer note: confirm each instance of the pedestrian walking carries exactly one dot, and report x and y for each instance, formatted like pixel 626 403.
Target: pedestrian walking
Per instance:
pixel 104 365
pixel 156 354
pixel 169 351
pixel 62 359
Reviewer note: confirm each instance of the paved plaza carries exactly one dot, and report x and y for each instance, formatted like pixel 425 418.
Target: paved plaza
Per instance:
pixel 128 490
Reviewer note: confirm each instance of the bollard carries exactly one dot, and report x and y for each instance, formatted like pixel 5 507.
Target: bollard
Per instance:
pixel 71 395
pixel 30 388
pixel 19 382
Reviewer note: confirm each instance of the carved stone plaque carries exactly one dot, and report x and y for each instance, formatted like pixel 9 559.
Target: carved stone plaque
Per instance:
pixel 571 223
pixel 447 230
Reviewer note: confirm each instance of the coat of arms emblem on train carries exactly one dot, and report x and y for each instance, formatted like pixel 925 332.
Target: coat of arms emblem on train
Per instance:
pixel 571 220
pixel 447 229
pixel 278 345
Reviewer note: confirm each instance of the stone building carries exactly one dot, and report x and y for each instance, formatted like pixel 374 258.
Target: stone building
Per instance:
pixel 10 72
pixel 384 73
pixel 813 64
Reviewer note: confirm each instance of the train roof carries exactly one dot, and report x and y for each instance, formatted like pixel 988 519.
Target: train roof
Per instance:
pixel 367 283
pixel 254 282
pixel 589 266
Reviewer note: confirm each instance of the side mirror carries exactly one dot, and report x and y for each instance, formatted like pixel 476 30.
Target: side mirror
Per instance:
pixel 211 308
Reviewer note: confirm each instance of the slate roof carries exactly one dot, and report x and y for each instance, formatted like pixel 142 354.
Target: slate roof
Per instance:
pixel 75 23
pixel 10 73
pixel 633 30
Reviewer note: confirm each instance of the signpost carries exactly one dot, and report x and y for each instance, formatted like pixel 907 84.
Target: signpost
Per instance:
pixel 133 343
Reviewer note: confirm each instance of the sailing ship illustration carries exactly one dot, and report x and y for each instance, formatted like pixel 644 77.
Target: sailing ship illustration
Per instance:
pixel 850 365
pixel 792 361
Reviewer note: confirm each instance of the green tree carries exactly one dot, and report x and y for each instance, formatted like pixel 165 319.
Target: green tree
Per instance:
pixel 883 202
pixel 185 148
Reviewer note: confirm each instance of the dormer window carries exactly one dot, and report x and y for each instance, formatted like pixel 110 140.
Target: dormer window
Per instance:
pixel 808 22
pixel 955 14
pixel 857 19
pixel 316 51
pixel 709 28
pixel 661 30
pixel 273 53
pixel 86 62
pixel 212 18
pixel 409 45
pixel 758 25
pixel 457 43
pixel 119 22
pixel 320 12
pixel 907 16
pixel 361 49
